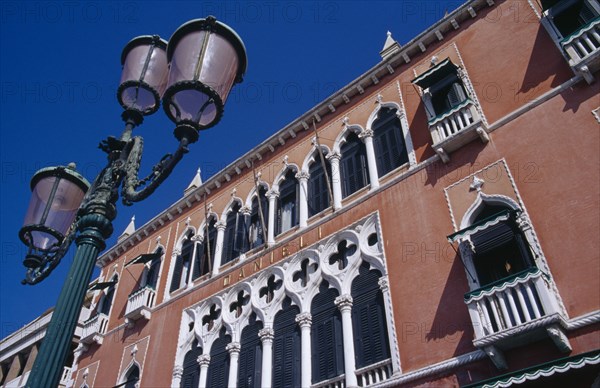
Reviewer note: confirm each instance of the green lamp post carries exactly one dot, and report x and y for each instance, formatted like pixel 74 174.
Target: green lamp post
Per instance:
pixel 193 74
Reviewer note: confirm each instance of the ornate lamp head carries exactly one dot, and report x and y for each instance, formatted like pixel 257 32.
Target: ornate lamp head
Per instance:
pixel 207 58
pixel 57 193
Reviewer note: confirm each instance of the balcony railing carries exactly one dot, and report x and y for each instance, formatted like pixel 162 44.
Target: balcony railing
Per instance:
pixel 517 302
pixel 375 373
pixel 455 128
pixel 455 120
pixel 94 329
pixel 583 44
pixel 335 382
pixel 139 303
pixel 65 377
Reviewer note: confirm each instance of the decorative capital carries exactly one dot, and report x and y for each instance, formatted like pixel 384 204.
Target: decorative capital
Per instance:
pixel 523 222
pixel 176 251
pixel 273 194
pixel 379 99
pixel 233 347
pixel 197 238
pixel 384 284
pixel 178 371
pixel 203 359
pixel 266 334
pixel 134 351
pixel 246 210
pixel 333 155
pixel 304 319
pixel 365 133
pixel 345 121
pixel 344 302
pixel 220 225
pixel 302 175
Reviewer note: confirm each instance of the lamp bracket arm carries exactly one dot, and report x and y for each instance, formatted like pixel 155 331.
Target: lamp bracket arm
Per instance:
pixel 160 171
pixel 51 260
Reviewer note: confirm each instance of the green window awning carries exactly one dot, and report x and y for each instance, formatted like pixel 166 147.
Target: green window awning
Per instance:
pixel 492 224
pixel 435 74
pixel 143 258
pixel 541 371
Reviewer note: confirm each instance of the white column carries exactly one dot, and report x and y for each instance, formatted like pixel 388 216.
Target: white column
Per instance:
pixel 219 246
pixel 177 373
pixel 272 195
pixel 367 137
pixel 305 321
pixel 204 361
pixel 344 303
pixel 336 180
pixel 234 357
pixel 387 301
pixel 302 177
pixel 266 336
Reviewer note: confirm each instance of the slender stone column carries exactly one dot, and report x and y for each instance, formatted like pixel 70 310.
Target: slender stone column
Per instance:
pixel 177 374
pixel 387 299
pixel 305 322
pixel 272 195
pixel 344 303
pixel 204 361
pixel 234 357
pixel 367 137
pixel 302 177
pixel 266 336
pixel 336 180
pixel 219 246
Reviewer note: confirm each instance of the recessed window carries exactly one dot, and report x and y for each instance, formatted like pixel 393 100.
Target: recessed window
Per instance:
pixel 106 300
pixel 256 231
pixel 287 209
pixel 190 377
pixel 318 191
pixel 569 16
pixel 183 263
pixel 353 165
pixel 205 251
pixel 390 148
pixel 235 235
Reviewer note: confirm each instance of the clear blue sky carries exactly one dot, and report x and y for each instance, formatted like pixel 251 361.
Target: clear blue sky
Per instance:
pixel 60 67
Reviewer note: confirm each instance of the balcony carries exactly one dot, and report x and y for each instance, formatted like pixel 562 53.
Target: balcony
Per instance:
pixel 582 49
pixel 94 329
pixel 139 304
pixel 65 378
pixel 455 128
pixel 514 311
pixel 374 374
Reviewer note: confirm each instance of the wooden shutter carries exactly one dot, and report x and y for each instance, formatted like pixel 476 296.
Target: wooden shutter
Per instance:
pixel 368 315
pixel 152 276
pixel 191 369
pixel 176 278
pixel 286 349
pixel 250 364
pixel 199 259
pixel 218 370
pixel 456 94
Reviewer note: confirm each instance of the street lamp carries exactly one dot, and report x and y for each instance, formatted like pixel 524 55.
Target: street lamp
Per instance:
pixel 193 74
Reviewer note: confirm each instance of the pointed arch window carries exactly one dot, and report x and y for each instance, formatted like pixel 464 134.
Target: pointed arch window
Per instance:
pixel 500 250
pixel 286 347
pixel 353 165
pixel 107 299
pixel 388 139
pixel 190 377
pixel 256 232
pixel 250 359
pixel 326 334
pixel 202 258
pixel 132 377
pixel 153 270
pixel 183 263
pixel 287 209
pixel 371 341
pixel 235 234
pixel 218 370
pixel 318 192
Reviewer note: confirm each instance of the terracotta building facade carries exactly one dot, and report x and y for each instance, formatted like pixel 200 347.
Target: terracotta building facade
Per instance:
pixel 434 222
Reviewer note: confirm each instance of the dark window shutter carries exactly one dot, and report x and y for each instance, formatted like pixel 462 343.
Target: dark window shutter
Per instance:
pixel 318 193
pixel 368 315
pixel 456 94
pixel 388 140
pixel 326 334
pixel 199 260
pixel 250 364
pixel 107 300
pixel 153 271
pixel 191 369
pixel 286 349
pixel 176 278
pixel 218 370
pixel 353 165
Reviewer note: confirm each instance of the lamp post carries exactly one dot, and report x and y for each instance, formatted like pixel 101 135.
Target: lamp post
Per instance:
pixel 193 74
